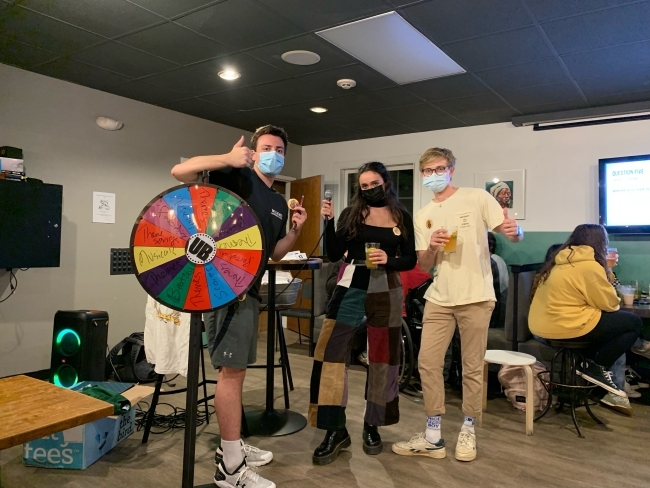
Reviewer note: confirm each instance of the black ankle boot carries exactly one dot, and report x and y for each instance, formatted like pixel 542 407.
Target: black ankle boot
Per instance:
pixel 371 439
pixel 328 451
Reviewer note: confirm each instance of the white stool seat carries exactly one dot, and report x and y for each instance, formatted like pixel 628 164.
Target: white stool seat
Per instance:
pixel 512 358
pixel 509 358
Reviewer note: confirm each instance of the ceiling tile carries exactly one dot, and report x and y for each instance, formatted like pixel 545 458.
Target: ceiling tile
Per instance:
pixel 553 107
pixel 240 25
pixel 171 8
pixel 613 83
pixel 366 78
pixel 498 50
pixel 80 73
pixel 330 55
pixel 556 9
pixel 542 94
pixel 436 124
pixel 489 117
pixel 240 99
pixel 253 71
pixel 448 87
pixel 197 108
pixel 42 32
pixel 362 120
pixel 406 115
pixel 622 59
pixel 22 55
pixel 295 91
pixel 641 96
pixel 604 28
pixel 389 130
pixel 470 105
pixel 444 21
pixel 317 15
pixel 393 97
pixel 191 81
pixel 173 42
pixel 105 17
pixel 350 104
pixel 144 92
pixel 542 72
pixel 122 59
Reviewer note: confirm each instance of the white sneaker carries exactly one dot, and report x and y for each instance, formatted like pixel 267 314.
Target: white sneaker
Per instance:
pixel 631 392
pixel 254 456
pixel 466 446
pixel 617 403
pixel 420 446
pixel 642 351
pixel 243 477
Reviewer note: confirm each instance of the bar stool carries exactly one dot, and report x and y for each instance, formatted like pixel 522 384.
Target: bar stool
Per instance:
pixel 568 389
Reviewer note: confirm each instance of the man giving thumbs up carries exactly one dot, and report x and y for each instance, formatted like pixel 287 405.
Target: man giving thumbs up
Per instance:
pixel 461 294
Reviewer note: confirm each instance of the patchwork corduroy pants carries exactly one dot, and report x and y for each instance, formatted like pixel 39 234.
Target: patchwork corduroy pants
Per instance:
pixel 377 295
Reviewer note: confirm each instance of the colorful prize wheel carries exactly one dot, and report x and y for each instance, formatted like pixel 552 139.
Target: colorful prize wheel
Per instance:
pixel 196 248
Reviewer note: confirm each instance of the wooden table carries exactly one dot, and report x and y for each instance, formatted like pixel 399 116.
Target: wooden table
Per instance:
pixel 642 311
pixel 30 409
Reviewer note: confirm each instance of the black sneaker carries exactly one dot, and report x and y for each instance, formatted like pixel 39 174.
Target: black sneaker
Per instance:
pixel 596 374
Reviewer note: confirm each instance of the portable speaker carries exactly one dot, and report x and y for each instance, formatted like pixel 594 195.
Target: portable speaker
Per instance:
pixel 79 341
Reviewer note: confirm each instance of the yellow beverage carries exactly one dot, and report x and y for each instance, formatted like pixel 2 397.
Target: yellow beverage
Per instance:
pixel 370 264
pixel 451 243
pixel 611 263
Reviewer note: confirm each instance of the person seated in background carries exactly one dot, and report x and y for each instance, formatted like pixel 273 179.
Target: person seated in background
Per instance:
pixel 574 299
pixel 500 280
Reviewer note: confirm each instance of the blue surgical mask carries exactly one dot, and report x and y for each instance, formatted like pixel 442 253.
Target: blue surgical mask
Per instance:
pixel 437 183
pixel 271 163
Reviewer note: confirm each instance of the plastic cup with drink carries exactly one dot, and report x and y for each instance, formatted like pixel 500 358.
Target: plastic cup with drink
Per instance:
pixel 371 246
pixel 452 234
pixel 627 292
pixel 612 257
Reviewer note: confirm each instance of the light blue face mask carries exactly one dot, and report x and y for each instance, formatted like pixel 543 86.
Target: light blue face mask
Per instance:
pixel 271 163
pixel 437 183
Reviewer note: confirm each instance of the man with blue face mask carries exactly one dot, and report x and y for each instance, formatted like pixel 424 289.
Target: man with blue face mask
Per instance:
pixel 462 293
pixel 232 331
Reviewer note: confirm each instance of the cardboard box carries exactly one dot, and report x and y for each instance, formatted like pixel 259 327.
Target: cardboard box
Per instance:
pixel 81 446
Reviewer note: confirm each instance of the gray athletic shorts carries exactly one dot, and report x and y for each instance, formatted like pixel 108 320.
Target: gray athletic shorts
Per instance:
pixel 232 334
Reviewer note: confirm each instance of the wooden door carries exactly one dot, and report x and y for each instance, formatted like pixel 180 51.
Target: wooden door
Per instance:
pixel 312 190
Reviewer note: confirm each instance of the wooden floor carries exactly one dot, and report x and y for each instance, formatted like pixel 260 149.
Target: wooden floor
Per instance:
pixel 611 456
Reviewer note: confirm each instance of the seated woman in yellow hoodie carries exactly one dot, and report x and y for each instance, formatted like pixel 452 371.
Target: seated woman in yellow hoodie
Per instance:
pixel 574 300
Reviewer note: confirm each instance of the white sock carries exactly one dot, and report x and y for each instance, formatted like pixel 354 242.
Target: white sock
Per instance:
pixel 469 424
pixel 233 454
pixel 432 433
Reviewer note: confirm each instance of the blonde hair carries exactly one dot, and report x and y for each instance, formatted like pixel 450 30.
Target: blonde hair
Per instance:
pixel 435 153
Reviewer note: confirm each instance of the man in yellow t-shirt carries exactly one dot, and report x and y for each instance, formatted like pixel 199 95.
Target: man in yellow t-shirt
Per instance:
pixel 462 294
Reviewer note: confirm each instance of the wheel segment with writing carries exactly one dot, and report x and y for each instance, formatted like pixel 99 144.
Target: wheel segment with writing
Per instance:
pixel 197 248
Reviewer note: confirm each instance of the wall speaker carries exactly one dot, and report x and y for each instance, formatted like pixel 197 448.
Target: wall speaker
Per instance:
pixel 79 342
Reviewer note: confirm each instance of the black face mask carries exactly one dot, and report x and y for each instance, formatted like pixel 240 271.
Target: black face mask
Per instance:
pixel 375 197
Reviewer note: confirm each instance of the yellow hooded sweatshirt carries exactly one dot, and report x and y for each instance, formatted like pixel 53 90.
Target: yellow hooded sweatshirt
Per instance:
pixel 569 303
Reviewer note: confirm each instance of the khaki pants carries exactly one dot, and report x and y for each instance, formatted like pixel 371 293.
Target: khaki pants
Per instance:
pixel 438 326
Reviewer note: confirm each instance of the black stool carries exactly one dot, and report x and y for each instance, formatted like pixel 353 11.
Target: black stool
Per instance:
pixel 568 389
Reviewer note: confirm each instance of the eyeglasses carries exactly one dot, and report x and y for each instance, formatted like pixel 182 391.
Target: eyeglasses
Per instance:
pixel 440 170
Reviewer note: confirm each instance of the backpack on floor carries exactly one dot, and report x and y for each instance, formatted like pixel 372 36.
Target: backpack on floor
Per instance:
pixel 513 381
pixel 127 361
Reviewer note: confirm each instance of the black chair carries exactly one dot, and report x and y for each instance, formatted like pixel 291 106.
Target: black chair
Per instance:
pixel 567 387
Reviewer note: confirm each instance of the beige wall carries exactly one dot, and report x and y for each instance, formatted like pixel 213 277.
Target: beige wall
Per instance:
pixel 54 123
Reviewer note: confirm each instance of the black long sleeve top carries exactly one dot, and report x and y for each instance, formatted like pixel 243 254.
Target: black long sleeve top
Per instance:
pixel 338 242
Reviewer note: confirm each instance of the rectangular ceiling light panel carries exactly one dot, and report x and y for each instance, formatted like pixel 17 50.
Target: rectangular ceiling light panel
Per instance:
pixel 392 46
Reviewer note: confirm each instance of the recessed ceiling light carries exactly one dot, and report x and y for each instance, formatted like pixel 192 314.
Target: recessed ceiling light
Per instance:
pixel 229 74
pixel 318 110
pixel 301 58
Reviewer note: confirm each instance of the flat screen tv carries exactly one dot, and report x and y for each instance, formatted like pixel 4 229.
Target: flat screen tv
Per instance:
pixel 624 194
pixel 30 224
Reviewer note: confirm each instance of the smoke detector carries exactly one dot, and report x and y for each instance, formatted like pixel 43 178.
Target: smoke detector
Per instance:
pixel 109 124
pixel 346 83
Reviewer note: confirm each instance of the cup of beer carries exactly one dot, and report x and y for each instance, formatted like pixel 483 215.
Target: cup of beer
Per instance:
pixel 452 233
pixel 628 294
pixel 371 246
pixel 612 257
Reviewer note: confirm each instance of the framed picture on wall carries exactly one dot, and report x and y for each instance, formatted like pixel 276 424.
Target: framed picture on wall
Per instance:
pixel 508 187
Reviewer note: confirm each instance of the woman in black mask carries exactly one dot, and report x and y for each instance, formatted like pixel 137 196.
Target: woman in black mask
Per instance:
pixel 375 215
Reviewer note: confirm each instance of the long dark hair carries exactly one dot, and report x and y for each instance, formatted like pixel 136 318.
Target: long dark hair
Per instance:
pixel 353 222
pixel 592 235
